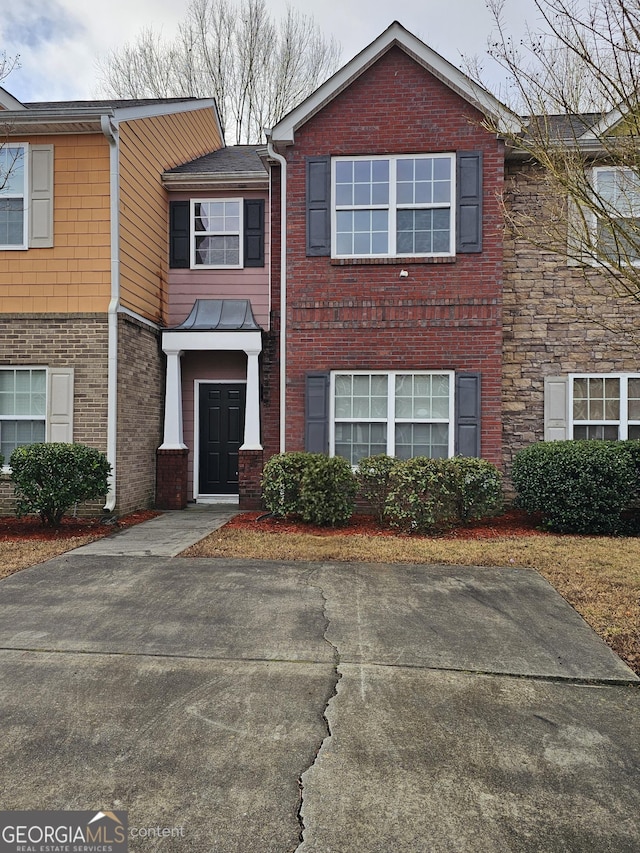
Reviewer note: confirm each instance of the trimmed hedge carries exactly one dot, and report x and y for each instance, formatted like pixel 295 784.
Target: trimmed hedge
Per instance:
pixel 374 482
pixel 318 488
pixel 427 495
pixel 49 478
pixel 578 486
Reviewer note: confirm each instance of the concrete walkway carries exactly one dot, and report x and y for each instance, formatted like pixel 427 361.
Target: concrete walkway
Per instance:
pixel 164 536
pixel 250 707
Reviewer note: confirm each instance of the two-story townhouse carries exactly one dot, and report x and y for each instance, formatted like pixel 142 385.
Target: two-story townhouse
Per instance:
pixel 388 278
pixel 217 342
pixel 570 343
pixel 83 273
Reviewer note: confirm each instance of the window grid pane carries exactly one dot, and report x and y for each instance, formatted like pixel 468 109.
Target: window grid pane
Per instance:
pixel 217 226
pixel 363 412
pixel 596 399
pixel 422 188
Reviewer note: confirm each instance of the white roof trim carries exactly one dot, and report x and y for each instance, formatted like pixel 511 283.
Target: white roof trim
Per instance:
pixel 8 102
pixel 605 125
pixel 396 34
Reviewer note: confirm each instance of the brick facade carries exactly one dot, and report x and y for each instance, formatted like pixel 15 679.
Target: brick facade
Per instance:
pixel 78 341
pixel 447 314
pixel 140 413
pixel 250 470
pixel 556 320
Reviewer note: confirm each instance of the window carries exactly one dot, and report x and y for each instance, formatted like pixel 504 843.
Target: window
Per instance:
pixel 13 192
pixel 605 407
pixel 217 232
pixel 23 398
pixel 400 414
pixel 393 206
pixel 616 232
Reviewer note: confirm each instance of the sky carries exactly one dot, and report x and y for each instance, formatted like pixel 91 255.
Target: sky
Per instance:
pixel 59 41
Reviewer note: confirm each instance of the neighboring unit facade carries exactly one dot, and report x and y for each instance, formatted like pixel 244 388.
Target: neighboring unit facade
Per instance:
pixel 83 270
pixel 347 288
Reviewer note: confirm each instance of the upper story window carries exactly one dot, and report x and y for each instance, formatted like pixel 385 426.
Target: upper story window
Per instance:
pixel 13 193
pixel 217 231
pixel 605 407
pixel 616 231
pixel 393 206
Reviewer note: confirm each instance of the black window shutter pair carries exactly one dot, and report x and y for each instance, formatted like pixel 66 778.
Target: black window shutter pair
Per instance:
pixel 179 233
pixel 468 201
pixel 467 415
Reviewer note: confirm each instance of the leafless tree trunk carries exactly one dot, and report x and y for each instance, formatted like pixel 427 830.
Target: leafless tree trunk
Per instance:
pixel 257 69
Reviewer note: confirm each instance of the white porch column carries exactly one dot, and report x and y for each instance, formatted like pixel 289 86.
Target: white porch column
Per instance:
pixel 173 404
pixel 252 411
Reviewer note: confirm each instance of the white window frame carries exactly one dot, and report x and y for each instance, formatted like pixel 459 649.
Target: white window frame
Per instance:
pixel 24 196
pixel 393 206
pixel 391 419
pixel 239 233
pixel 623 422
pixel 14 417
pixel 597 171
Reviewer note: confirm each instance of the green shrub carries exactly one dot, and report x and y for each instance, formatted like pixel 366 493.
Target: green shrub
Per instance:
pixel 578 486
pixel 477 486
pixel 1 460
pixel 374 482
pixel 328 490
pixel 421 498
pixel 50 478
pixel 281 480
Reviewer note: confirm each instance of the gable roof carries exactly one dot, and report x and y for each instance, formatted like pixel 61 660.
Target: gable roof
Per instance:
pixel 394 36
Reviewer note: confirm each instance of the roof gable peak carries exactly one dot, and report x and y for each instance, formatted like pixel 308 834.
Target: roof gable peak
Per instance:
pixel 394 36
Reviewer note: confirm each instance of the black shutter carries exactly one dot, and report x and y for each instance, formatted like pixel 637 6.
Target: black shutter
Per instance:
pixel 467 437
pixel 469 201
pixel 318 206
pixel 316 420
pixel 254 232
pixel 179 256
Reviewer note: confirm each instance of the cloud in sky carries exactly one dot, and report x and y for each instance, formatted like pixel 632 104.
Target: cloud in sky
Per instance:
pixel 59 41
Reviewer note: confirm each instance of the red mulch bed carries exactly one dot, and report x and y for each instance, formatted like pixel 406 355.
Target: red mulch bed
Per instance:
pixel 30 526
pixel 512 523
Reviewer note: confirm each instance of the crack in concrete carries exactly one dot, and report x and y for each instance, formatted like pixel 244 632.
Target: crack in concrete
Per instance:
pixel 329 698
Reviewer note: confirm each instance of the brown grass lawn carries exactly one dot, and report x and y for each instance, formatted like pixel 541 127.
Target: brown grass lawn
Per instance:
pixel 598 576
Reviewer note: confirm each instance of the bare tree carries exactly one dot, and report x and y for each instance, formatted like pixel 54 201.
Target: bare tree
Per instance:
pixel 576 81
pixel 256 68
pixel 9 157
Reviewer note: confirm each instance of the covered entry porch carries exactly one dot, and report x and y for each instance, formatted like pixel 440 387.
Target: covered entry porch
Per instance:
pixel 212 448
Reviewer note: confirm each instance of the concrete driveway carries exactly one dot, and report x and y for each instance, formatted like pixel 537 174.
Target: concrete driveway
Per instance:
pixel 253 706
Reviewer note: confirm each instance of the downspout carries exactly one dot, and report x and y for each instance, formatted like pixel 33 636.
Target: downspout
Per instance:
pixel 110 131
pixel 283 290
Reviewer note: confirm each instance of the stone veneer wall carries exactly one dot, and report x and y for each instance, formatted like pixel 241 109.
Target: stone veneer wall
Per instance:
pixel 141 379
pixel 78 341
pixel 554 321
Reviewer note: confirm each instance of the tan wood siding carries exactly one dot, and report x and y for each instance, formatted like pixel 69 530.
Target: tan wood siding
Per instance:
pixel 74 275
pixel 147 148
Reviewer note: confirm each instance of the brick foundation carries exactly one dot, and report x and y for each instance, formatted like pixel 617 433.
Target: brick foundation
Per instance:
pixel 171 479
pixel 251 462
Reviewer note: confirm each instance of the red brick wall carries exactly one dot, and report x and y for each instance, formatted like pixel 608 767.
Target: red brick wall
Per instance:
pixel 444 315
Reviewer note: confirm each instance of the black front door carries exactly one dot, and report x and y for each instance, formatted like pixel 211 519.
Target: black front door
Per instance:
pixel 221 410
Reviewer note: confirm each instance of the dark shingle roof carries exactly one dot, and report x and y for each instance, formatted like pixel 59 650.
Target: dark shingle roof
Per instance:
pixel 97 105
pixel 226 161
